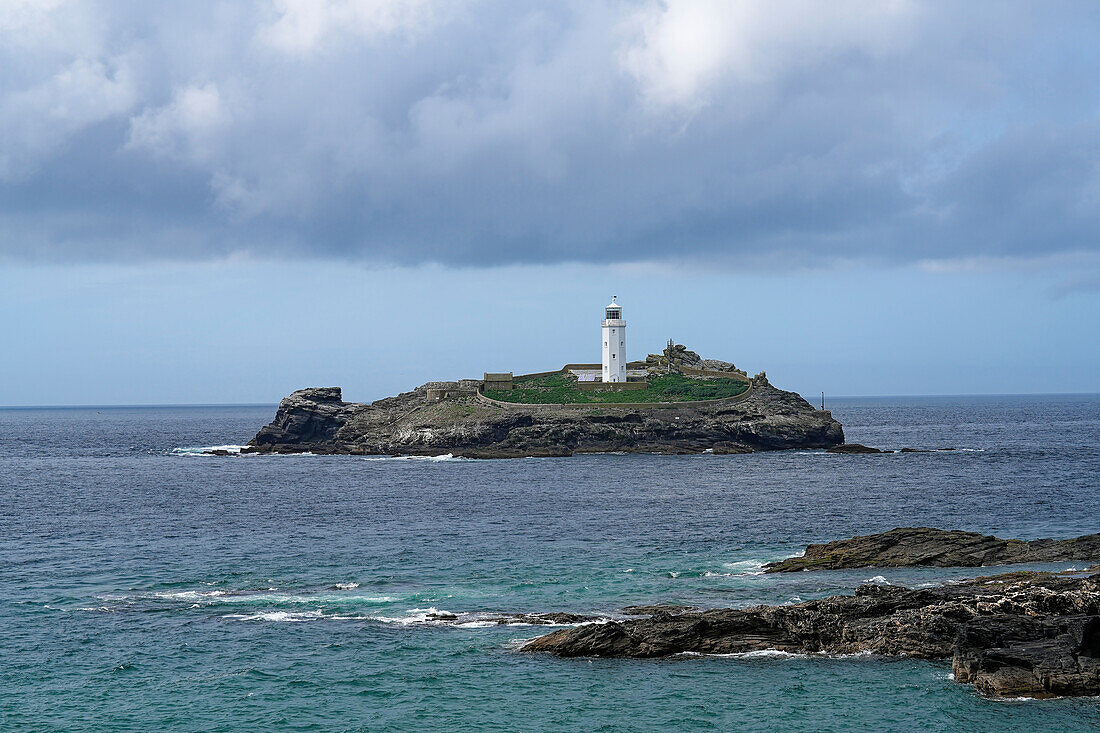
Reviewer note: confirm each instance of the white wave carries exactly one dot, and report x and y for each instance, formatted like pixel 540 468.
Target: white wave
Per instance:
pixel 419 616
pixel 187 595
pixel 433 616
pixel 430 459
pixel 519 642
pixel 778 654
pixel 878 580
pixel 206 450
pixel 276 616
pixel 308 598
pixel 769 654
pixel 745 567
pixel 756 654
pixel 225 597
pixel 346 586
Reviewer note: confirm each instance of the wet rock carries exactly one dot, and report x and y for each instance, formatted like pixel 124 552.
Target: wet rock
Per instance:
pixel 655 609
pixel 926 546
pixel 503 619
pixel 1020 656
pixel 442 616
pixel 546 619
pixel 1017 634
pixel 854 449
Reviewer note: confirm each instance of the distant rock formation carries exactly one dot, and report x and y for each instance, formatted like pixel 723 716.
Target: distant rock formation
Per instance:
pixel 929 547
pixel 1019 634
pixel 433 420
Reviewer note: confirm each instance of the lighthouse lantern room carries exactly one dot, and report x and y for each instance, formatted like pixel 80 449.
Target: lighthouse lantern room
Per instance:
pixel 614 343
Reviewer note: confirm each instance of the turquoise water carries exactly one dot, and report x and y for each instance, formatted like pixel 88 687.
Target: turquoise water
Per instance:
pixel 146 588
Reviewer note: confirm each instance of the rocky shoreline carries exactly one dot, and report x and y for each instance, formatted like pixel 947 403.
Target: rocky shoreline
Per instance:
pixel 437 420
pixel 1018 634
pixel 1011 635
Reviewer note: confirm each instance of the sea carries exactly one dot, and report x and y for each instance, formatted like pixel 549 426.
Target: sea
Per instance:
pixel 145 586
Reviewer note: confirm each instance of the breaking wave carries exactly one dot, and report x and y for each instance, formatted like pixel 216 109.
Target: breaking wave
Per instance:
pixel 878 580
pixel 206 450
pixel 430 459
pixel 777 654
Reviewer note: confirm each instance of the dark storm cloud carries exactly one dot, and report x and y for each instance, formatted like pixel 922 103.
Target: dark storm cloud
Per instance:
pixel 484 132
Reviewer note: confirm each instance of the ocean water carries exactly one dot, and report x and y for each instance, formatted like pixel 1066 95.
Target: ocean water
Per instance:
pixel 143 587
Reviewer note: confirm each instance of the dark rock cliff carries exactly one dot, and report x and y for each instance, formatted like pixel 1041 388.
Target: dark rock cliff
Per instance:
pixel 412 423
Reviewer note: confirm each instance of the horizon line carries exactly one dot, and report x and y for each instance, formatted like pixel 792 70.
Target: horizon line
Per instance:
pixel 125 405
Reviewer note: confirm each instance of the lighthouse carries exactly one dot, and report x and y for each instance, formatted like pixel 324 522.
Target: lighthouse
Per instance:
pixel 614 343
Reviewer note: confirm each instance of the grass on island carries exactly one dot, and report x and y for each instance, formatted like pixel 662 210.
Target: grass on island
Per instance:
pixel 561 388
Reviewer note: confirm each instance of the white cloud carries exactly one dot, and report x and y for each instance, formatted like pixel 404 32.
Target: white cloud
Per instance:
pixel 680 48
pixel 34 122
pixel 304 25
pixel 187 128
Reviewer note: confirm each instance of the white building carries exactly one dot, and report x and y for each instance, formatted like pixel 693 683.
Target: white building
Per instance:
pixel 614 343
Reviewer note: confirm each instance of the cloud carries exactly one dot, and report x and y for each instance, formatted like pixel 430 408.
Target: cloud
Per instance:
pixel 37 120
pixel 303 26
pixel 486 131
pixel 682 47
pixel 187 128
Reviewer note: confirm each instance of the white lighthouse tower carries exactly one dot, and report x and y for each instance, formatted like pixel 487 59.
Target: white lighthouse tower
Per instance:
pixel 614 343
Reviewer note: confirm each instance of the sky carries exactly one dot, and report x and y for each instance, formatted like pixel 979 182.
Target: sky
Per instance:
pixel 219 202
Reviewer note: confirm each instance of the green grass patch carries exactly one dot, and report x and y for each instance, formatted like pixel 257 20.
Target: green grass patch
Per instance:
pixel 563 389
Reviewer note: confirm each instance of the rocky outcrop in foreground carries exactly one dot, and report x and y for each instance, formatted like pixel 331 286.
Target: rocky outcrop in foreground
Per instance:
pixel 928 547
pixel 1019 634
pixel 441 417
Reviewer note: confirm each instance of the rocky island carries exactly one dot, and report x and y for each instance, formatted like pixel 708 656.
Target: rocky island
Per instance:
pixel 677 403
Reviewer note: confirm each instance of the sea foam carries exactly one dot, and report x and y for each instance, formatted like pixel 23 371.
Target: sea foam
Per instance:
pixel 206 450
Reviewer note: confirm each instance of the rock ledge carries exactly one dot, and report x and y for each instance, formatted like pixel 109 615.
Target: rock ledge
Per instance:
pixel 929 547
pixel 1018 634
